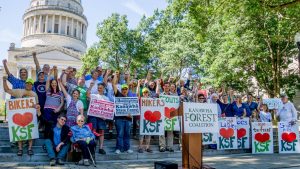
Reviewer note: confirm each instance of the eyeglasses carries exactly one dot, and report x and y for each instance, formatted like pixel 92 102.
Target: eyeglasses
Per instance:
pixel 80 121
pixel 23 72
pixel 146 92
pixel 63 120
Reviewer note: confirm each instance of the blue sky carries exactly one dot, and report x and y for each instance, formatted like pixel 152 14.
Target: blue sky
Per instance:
pixel 11 13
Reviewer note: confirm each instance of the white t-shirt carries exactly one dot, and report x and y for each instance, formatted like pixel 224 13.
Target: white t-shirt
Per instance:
pixel 265 116
pixel 79 104
pixel 94 89
pixel 287 113
pixel 99 97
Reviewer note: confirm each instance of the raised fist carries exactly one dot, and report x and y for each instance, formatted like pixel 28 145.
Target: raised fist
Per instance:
pixel 4 61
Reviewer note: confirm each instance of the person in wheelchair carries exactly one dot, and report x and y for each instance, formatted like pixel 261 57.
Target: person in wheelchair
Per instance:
pixel 57 141
pixel 84 138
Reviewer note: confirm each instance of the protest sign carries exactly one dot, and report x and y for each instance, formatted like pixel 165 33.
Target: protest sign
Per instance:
pixel 227 137
pixel 102 109
pixel 274 103
pixel 262 137
pixel 243 133
pixel 152 116
pixel 22 119
pixel 288 138
pixel 172 103
pixel 209 138
pixel 200 117
pixel 127 105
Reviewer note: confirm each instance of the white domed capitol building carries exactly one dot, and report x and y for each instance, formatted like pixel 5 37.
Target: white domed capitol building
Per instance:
pixel 56 31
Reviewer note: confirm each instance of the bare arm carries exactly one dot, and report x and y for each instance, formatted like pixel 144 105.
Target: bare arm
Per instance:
pixel 158 87
pixel 5 86
pixel 36 62
pixel 48 80
pixel 55 71
pixel 5 66
pixel 114 84
pixel 63 89
pixel 108 71
pixel 148 78
pixel 138 88
pixel 64 78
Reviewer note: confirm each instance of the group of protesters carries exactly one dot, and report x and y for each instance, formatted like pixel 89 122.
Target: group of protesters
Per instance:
pixel 63 101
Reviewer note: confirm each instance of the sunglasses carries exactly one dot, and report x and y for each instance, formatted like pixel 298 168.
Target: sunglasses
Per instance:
pixel 63 120
pixel 145 92
pixel 201 98
pixel 80 121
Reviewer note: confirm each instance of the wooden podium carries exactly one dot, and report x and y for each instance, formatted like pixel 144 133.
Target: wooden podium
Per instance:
pixel 191 147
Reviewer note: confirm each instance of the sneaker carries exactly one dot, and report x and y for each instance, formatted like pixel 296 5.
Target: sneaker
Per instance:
pixel 101 151
pixel 86 162
pixel 149 150
pixel 140 150
pixel 117 151
pixel 129 151
pixel 52 162
pixel 162 149
pixel 60 162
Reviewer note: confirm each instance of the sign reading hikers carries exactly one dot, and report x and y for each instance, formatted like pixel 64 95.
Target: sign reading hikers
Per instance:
pixel 227 133
pixel 262 137
pixel 22 119
pixel 200 118
pixel 152 116
pixel 171 112
pixel 127 105
pixel 288 138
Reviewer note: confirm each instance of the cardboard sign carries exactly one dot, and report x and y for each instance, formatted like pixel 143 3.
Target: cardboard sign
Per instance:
pixel 172 122
pixel 102 109
pixel 200 118
pixel 22 119
pixel 262 137
pixel 227 137
pixel 243 133
pixel 152 116
pixel 209 138
pixel 274 103
pixel 127 105
pixel 288 138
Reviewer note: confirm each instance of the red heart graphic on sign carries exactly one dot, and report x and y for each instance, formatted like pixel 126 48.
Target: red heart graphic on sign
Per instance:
pixel 241 133
pixel 262 137
pixel 226 133
pixel 288 137
pixel 152 116
pixel 22 119
pixel 170 112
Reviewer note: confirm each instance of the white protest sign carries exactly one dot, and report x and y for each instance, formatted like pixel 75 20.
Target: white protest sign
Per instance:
pixel 288 137
pixel 227 137
pixel 243 133
pixel 171 112
pixel 127 105
pixel 262 137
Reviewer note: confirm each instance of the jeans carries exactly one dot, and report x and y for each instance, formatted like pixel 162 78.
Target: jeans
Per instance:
pixel 123 134
pixel 84 148
pixel 50 147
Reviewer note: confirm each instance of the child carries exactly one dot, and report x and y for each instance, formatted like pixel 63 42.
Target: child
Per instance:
pixel 254 117
pixel 265 115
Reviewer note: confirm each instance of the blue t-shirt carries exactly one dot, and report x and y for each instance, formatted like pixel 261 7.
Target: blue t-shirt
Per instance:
pixel 56 135
pixel 239 111
pixel 252 106
pixel 89 77
pixel 40 88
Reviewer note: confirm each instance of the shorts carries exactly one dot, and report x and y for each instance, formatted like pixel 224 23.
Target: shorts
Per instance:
pixel 98 123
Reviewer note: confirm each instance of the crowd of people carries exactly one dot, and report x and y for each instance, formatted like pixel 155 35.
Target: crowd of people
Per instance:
pixel 63 101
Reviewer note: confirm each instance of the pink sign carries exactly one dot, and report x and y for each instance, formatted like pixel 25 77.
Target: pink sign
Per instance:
pixel 102 109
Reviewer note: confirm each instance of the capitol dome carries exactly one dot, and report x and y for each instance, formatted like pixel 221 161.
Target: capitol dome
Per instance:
pixel 55 23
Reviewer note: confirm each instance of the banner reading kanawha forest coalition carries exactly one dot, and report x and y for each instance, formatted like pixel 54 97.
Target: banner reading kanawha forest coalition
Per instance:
pixel 200 117
pixel 22 119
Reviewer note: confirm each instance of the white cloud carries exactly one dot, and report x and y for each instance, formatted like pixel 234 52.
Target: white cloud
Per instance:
pixel 133 6
pixel 7 36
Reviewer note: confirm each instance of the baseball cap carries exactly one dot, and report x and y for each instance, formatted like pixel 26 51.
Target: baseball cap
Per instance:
pixel 40 72
pixel 145 89
pixel 284 95
pixel 124 86
pixel 29 80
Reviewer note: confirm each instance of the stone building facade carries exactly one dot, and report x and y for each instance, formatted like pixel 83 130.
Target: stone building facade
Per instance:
pixel 56 31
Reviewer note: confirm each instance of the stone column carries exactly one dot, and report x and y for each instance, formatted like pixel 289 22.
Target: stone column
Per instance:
pixel 81 31
pixel 59 25
pixel 72 28
pixel 29 69
pixel 53 23
pixel 66 26
pixel 40 24
pixel 24 28
pixel 34 25
pixel 46 24
pixel 29 26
